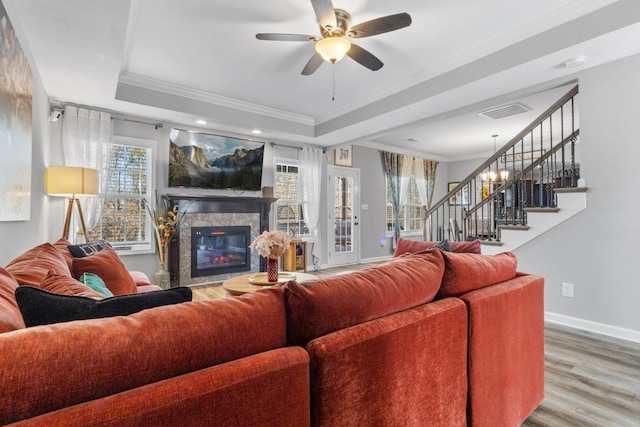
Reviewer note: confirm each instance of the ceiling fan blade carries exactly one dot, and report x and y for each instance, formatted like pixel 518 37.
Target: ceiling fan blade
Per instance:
pixel 380 25
pixel 364 57
pixel 313 64
pixel 325 13
pixel 286 37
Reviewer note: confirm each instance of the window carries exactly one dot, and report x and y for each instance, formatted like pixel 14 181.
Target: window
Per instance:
pixel 410 213
pixel 124 221
pixel 288 209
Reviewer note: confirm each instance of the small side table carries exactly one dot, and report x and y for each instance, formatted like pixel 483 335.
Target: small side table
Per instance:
pixel 295 257
pixel 240 285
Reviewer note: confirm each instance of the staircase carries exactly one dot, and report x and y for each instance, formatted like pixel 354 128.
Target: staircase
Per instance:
pixel 570 201
pixel 526 188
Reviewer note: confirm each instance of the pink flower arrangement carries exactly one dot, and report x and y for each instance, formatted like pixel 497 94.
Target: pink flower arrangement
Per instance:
pixel 271 244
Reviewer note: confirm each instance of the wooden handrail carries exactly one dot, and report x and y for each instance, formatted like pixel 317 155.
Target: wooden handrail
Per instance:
pixel 548 112
pixel 574 135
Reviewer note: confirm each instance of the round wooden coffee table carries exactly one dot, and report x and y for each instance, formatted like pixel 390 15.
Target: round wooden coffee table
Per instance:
pixel 240 285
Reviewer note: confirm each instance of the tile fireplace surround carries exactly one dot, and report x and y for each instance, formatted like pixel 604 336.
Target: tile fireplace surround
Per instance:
pixel 205 211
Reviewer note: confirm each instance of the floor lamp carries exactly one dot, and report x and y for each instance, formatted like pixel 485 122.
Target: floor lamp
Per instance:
pixel 71 182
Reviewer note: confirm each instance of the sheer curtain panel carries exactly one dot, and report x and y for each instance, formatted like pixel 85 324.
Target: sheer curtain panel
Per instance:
pixel 86 139
pixel 310 160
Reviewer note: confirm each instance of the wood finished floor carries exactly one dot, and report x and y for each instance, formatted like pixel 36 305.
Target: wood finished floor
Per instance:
pixel 591 380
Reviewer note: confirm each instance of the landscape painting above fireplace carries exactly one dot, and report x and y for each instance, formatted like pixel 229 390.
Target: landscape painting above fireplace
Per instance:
pixel 210 161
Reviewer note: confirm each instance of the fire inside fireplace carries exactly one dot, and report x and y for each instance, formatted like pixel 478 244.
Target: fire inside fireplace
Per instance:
pixel 220 250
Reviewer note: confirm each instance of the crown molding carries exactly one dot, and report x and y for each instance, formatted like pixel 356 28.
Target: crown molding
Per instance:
pixel 203 96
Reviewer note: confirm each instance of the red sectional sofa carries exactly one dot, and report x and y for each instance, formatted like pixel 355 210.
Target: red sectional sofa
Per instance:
pixel 428 338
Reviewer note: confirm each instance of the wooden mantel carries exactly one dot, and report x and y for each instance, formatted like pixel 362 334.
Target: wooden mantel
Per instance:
pixel 220 204
pixel 204 203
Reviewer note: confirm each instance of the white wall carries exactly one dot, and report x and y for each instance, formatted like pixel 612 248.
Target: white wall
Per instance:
pixel 597 250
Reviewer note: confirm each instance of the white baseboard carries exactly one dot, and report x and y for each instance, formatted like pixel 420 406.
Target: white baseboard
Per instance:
pixel 588 325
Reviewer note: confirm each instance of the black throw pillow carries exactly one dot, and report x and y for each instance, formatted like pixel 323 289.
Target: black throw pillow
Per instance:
pixel 87 249
pixel 40 307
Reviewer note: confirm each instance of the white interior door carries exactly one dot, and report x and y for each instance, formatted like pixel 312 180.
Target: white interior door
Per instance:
pixel 344 210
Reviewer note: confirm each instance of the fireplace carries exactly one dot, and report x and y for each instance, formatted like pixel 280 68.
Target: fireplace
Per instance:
pixel 220 250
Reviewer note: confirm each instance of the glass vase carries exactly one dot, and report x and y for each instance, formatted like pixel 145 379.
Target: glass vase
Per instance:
pixel 162 278
pixel 272 269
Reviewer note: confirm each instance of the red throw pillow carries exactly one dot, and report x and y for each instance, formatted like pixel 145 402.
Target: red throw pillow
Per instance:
pixel 466 272
pixel 10 317
pixel 32 267
pixel 108 265
pixel 319 307
pixel 66 285
pixel 466 247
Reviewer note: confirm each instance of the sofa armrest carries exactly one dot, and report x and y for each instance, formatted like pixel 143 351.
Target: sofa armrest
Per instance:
pixel 506 351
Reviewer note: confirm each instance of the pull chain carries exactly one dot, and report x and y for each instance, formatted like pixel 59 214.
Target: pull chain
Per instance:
pixel 333 78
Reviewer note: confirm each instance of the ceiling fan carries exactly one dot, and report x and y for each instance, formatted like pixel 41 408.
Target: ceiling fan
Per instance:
pixel 335 26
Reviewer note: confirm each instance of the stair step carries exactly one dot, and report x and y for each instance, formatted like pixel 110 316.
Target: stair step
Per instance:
pixel 571 190
pixel 544 210
pixel 514 227
pixel 491 242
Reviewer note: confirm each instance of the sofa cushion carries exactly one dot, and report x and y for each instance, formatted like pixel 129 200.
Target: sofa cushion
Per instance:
pixel 96 283
pixel 32 267
pixel 140 278
pixel 88 249
pixel 130 351
pixel 62 246
pixel 40 307
pixel 65 285
pixel 319 307
pixel 466 272
pixel 412 246
pixel 10 317
pixel 108 265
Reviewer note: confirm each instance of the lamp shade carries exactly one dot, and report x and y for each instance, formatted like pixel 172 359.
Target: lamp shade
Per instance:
pixel 71 181
pixel 333 49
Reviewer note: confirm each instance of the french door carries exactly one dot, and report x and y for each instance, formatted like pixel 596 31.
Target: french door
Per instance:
pixel 343 204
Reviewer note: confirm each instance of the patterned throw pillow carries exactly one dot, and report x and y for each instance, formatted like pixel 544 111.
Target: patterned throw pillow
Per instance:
pixel 88 249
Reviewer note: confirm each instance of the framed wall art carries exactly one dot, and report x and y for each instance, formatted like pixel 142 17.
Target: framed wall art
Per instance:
pixel 343 156
pixel 460 197
pixel 16 91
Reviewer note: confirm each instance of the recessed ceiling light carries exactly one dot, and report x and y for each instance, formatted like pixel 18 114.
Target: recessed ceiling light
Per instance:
pixel 256 131
pixel 575 62
pixel 201 122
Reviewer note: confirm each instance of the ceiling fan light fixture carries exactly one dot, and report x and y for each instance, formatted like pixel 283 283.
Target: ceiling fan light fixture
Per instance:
pixel 333 49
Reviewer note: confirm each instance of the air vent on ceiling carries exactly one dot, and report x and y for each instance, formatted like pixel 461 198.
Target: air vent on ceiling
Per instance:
pixel 505 111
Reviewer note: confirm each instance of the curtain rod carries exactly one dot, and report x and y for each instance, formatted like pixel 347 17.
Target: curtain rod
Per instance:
pixel 273 144
pixel 61 106
pixel 156 124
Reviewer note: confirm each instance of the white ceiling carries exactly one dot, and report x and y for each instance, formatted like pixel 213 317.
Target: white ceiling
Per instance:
pixel 178 61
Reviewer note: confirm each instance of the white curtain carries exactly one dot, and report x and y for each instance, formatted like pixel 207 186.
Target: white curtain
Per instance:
pixel 86 139
pixel 310 179
pixel 421 181
pixel 407 173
